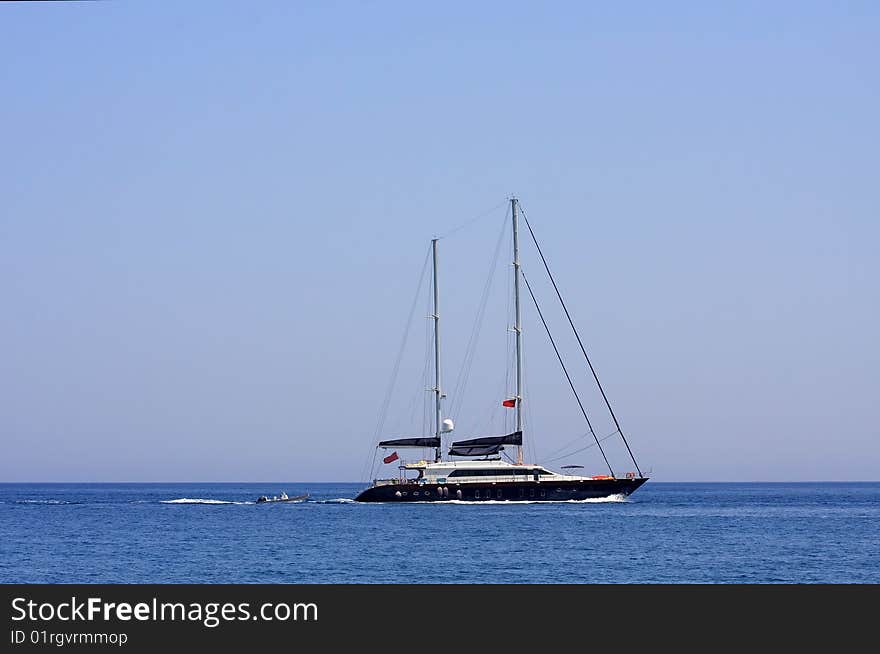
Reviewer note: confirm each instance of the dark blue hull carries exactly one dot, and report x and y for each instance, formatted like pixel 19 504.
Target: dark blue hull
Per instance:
pixel 513 491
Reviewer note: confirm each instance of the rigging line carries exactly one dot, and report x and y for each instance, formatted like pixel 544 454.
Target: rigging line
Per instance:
pixel 507 421
pixel 470 351
pixel 569 443
pixel 583 349
pixel 583 449
pixel 419 391
pixel 397 362
pixel 508 342
pixel 373 464
pixel 486 426
pixel 429 366
pixel 474 219
pixel 530 421
pixel 555 454
pixel 383 413
pixel 416 404
pixel 565 370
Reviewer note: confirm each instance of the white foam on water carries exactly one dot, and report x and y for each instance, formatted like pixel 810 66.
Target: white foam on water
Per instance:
pixel 338 500
pixel 199 500
pixel 618 497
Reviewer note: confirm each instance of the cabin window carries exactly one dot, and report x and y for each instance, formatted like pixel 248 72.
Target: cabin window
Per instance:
pixel 476 494
pixel 498 494
pixel 543 493
pixel 522 492
pixel 531 492
pixel 487 472
pixel 497 472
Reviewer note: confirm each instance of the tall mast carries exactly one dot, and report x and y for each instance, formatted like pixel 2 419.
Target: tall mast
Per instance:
pixel 517 328
pixel 436 316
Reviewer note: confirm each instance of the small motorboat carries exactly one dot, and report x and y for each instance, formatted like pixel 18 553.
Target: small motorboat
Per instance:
pixel 265 499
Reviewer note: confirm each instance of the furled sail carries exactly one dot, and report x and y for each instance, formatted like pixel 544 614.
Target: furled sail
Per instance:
pixel 432 441
pixel 475 450
pixel 485 445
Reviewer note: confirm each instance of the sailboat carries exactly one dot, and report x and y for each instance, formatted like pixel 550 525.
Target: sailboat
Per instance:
pixel 475 471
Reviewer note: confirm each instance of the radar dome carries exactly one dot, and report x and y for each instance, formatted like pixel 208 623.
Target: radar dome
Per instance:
pixel 447 425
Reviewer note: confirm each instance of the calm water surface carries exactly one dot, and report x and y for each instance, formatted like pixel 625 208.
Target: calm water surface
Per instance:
pixel 212 533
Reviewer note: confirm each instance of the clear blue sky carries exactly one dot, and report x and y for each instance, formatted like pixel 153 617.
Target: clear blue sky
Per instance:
pixel 213 215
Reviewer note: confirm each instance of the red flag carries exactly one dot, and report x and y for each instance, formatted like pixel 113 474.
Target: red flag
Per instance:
pixel 509 403
pixel 391 457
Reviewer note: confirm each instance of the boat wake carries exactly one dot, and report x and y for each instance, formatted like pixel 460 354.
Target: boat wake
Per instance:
pixel 198 500
pixel 619 497
pixel 337 500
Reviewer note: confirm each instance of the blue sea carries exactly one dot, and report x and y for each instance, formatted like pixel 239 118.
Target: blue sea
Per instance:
pixel 214 533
